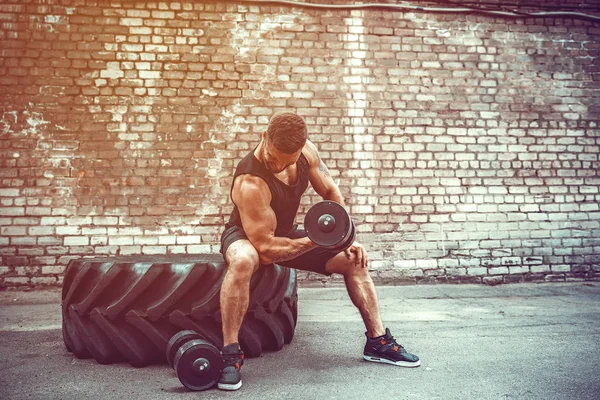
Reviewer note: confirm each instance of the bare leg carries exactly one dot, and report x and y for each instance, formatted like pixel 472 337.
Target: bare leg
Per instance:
pixel 364 297
pixel 242 262
pixel 361 290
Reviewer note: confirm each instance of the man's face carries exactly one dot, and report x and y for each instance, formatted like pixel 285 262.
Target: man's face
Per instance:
pixel 275 160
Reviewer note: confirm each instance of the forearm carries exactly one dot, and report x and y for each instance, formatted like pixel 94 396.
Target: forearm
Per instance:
pixel 279 249
pixel 335 195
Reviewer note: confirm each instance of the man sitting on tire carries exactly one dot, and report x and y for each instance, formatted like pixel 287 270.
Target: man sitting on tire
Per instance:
pixel 267 187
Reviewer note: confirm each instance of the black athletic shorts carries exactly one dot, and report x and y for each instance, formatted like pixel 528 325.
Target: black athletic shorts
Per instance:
pixel 313 260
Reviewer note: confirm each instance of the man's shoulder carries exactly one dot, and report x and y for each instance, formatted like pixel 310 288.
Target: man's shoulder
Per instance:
pixel 250 184
pixel 250 180
pixel 249 187
pixel 310 152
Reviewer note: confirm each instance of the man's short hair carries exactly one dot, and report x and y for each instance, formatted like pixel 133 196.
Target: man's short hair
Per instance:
pixel 287 132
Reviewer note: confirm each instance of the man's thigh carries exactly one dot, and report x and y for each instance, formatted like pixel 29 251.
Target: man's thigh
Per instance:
pixel 314 260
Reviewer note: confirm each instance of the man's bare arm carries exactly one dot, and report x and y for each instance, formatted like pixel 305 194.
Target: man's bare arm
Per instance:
pixel 319 175
pixel 252 197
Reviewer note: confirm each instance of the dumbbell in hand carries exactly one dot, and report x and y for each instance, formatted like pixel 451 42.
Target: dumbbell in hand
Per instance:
pixel 328 224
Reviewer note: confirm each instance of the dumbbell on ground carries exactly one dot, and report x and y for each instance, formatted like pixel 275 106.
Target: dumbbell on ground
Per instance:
pixel 197 363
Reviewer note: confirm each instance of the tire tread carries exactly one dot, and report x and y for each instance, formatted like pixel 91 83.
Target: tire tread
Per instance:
pixel 125 309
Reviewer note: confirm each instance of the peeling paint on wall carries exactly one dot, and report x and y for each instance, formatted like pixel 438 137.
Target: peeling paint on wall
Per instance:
pixel 52 20
pixel 56 19
pixel 6 121
pixel 34 119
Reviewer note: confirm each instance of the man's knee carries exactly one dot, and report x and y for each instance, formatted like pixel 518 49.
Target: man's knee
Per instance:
pixel 244 264
pixel 357 271
pixel 243 260
pixel 348 266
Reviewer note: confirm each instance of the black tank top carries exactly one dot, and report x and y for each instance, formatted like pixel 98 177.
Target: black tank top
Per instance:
pixel 285 199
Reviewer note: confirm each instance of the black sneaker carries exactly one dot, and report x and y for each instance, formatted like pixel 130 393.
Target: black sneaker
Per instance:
pixel 384 349
pixel 233 359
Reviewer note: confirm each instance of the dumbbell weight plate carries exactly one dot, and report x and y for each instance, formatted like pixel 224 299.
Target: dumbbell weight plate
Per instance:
pixel 328 224
pixel 348 242
pixel 198 365
pixel 177 341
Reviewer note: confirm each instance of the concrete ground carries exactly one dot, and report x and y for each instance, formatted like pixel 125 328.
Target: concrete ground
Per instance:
pixel 520 341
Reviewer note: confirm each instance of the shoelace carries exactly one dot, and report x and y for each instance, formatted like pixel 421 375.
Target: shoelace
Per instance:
pixel 391 343
pixel 233 360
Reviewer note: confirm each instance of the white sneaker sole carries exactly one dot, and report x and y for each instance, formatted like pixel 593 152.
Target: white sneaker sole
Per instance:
pixel 398 363
pixel 228 386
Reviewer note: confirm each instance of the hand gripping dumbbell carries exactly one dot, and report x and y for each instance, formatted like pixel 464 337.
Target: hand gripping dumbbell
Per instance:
pixel 197 363
pixel 328 224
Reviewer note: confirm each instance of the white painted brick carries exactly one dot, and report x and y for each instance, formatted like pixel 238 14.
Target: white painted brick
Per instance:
pixel 154 250
pixel 448 262
pixel 107 250
pixel 191 239
pixel 410 272
pixel 16 281
pixel 132 21
pixel 53 221
pixel 23 241
pixel 199 249
pixel 93 231
pixel 49 241
pixel 129 231
pixel 105 220
pixel 163 14
pixel 167 240
pixel 477 271
pixel 456 271
pixel 177 249
pixel 129 250
pixel 138 13
pixel 149 74
pixel 405 263
pixel 145 240
pixel 9 192
pixel 540 268
pixel 560 268
pixel 511 260
pixel 13 230
pixel 68 230
pixel 470 262
pixel 80 221
pixel 99 240
pixel 425 264
pixel 498 271
pixel 12 211
pixel 53 269
pixel 76 240
pixel 518 270
pixel 120 240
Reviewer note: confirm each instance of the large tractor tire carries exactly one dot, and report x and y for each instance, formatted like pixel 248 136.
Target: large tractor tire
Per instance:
pixel 125 309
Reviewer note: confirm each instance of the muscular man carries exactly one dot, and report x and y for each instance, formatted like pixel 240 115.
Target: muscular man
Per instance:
pixel 267 186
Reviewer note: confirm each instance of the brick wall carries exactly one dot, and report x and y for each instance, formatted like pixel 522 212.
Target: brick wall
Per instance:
pixel 467 146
